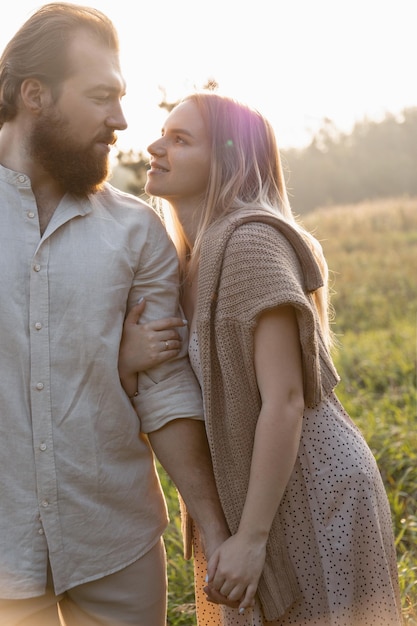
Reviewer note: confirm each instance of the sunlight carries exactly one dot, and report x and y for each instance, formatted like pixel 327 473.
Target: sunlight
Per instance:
pixel 307 62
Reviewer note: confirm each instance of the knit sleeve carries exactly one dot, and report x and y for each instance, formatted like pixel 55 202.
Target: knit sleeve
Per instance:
pixel 260 270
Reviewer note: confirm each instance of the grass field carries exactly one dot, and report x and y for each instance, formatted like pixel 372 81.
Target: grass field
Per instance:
pixel 371 249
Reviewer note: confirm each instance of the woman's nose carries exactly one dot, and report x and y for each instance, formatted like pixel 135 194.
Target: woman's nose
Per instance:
pixel 156 148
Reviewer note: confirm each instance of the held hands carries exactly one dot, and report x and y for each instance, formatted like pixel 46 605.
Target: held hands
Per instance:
pixel 144 346
pixel 233 572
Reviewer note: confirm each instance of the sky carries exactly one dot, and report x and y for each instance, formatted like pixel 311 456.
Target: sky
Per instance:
pixel 297 61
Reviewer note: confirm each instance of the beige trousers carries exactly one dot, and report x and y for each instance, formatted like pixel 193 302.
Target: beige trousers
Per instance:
pixel 135 596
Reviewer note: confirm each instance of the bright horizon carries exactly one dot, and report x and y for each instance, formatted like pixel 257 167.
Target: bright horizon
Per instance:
pixel 298 64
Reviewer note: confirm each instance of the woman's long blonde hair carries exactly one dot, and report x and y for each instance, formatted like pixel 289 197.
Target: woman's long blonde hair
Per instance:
pixel 246 172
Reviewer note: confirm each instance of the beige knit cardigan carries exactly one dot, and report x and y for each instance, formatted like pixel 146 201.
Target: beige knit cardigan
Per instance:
pixel 249 262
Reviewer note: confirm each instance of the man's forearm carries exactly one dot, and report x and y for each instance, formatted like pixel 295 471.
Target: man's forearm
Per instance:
pixel 182 449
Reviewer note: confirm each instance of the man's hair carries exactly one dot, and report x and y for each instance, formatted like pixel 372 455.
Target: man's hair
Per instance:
pixel 39 49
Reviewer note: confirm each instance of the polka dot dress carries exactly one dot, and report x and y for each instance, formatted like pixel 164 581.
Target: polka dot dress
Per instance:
pixel 338 529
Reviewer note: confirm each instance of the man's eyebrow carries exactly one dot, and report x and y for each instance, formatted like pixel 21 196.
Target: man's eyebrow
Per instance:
pixel 108 88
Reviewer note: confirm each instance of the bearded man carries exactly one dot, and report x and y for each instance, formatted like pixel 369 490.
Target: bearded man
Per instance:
pixel 82 513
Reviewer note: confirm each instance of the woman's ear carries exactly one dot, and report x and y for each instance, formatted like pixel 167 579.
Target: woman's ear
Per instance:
pixel 32 93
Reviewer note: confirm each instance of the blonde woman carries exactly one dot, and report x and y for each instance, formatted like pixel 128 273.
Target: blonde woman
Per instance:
pixel 311 538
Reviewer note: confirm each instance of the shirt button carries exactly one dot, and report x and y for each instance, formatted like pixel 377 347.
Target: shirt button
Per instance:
pixel 30 214
pixel 22 178
pixel 42 447
pixel 40 531
pixel 39 386
pixel 38 325
pixel 45 503
pixel 37 267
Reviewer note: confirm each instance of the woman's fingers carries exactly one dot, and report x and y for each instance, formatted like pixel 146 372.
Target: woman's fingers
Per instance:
pixel 217 598
pixel 235 599
pixel 133 317
pixel 161 336
pixel 168 324
pixel 248 600
pixel 146 345
pixel 233 573
pixel 169 345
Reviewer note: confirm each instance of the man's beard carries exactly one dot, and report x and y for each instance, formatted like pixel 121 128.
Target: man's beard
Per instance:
pixel 78 170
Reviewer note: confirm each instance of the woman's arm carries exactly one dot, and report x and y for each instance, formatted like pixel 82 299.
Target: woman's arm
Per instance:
pixel 236 567
pixel 144 346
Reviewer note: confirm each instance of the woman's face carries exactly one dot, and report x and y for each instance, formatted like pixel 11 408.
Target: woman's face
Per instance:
pixel 180 158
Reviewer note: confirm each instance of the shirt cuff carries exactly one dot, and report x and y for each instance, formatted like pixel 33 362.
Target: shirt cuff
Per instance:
pixel 175 397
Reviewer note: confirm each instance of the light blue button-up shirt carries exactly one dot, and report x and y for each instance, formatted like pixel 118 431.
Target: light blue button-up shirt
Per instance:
pixel 78 482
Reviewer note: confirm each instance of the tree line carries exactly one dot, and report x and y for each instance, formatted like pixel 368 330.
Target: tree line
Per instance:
pixel 375 160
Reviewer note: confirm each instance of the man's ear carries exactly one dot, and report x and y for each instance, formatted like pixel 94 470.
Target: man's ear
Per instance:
pixel 33 92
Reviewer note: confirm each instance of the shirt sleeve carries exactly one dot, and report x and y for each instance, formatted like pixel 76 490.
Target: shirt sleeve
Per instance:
pixel 170 390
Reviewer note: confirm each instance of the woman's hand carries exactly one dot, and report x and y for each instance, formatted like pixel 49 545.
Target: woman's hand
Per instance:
pixel 144 346
pixel 234 570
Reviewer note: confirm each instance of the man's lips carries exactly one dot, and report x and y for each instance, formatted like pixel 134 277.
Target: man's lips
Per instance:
pixel 103 145
pixel 109 140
